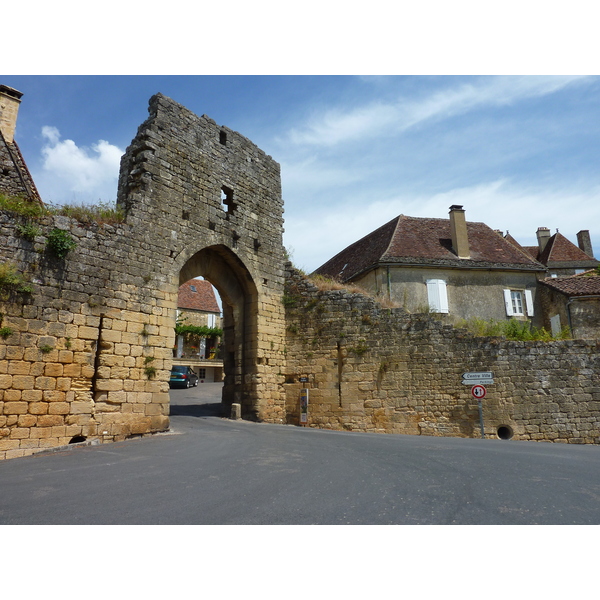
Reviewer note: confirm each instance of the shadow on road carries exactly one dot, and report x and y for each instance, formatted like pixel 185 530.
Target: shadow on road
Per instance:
pixel 197 410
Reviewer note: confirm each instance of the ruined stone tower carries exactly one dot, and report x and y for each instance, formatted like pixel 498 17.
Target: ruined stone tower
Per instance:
pixel 208 202
pixel 88 336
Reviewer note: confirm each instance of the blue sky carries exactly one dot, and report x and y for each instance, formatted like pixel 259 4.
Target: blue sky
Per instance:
pixel 518 152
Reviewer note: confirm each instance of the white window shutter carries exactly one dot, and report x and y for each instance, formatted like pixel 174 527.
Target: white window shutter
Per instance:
pixel 529 302
pixel 443 296
pixel 437 295
pixel 508 303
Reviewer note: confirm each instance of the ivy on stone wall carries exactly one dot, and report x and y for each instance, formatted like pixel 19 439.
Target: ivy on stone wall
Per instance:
pixel 197 331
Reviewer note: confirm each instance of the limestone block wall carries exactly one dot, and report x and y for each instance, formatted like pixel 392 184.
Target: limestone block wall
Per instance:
pixel 86 352
pixel 76 348
pixel 368 368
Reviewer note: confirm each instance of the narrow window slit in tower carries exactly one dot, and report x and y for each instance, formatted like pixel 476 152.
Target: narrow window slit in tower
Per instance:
pixel 227 203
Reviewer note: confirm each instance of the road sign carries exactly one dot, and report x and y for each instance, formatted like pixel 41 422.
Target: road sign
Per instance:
pixel 478 391
pixel 304 406
pixel 486 377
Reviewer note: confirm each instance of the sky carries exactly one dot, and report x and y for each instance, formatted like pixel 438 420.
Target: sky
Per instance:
pixel 374 111
pixel 518 152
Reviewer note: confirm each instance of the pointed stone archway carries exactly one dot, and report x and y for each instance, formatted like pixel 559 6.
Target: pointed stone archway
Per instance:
pixel 223 269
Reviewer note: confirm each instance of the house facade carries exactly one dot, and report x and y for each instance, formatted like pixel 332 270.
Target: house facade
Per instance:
pixel 449 266
pixel 572 302
pixel 197 306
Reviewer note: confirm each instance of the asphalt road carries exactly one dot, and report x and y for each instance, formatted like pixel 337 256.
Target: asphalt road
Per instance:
pixel 210 470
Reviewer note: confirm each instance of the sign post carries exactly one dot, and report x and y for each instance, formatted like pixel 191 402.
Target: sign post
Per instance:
pixel 484 377
pixel 304 406
pixel 479 392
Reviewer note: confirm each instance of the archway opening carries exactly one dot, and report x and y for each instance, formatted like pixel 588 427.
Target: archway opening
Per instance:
pixel 236 346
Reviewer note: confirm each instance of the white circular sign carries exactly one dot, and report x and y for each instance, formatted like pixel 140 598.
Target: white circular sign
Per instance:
pixel 478 391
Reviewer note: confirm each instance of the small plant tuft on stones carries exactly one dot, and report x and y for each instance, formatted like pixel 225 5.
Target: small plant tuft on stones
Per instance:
pixel 60 242
pixel 150 371
pixel 28 231
pixel 5 332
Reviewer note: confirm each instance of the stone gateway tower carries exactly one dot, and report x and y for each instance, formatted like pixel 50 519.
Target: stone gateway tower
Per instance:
pixel 205 201
pixel 88 332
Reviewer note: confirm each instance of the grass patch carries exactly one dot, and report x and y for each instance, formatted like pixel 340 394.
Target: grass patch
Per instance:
pixel 326 284
pixel 12 282
pixel 512 329
pixel 100 213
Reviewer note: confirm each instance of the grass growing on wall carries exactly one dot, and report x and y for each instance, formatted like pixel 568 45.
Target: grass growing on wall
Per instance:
pixel 11 281
pixel 100 213
pixel 512 329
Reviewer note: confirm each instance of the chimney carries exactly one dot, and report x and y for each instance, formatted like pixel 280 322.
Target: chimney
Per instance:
pixel 9 107
pixel 543 235
pixel 458 231
pixel 585 243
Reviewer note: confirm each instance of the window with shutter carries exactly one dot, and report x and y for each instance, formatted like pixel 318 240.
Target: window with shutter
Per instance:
pixel 437 295
pixel 517 301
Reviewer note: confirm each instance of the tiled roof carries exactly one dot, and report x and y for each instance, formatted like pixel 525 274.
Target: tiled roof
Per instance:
pixel 203 298
pixel 15 178
pixel 423 241
pixel 560 250
pixel 576 285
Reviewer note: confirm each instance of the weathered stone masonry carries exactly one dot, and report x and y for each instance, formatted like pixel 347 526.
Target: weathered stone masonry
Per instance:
pixel 384 370
pixel 90 351
pixel 87 354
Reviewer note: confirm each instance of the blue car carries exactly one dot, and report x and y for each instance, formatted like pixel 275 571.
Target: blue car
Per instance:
pixel 183 377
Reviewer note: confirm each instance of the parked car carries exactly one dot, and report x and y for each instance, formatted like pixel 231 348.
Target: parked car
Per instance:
pixel 183 377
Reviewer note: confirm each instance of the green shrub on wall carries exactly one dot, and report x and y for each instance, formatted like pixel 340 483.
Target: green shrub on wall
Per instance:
pixel 12 282
pixel 61 242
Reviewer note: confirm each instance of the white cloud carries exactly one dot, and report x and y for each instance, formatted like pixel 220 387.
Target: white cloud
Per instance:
pixel 499 204
pixel 85 174
pixel 340 125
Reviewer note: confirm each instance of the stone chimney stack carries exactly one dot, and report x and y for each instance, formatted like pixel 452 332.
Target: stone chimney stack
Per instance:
pixel 458 231
pixel 585 243
pixel 543 235
pixel 9 107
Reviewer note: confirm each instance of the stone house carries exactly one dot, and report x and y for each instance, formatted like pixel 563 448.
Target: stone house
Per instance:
pixel 559 255
pixel 197 305
pixel 574 302
pixel 449 266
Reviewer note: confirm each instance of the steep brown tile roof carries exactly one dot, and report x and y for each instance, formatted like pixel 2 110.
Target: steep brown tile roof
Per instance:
pixel 202 299
pixel 427 242
pixel 15 178
pixel 576 285
pixel 559 251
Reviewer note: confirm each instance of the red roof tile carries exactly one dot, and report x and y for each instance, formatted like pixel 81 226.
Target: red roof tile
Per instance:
pixel 427 242
pixel 576 285
pixel 198 294
pixel 560 250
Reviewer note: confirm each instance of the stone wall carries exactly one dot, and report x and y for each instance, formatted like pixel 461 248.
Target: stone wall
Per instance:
pixel 580 314
pixel 368 368
pixel 89 351
pixel 86 342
